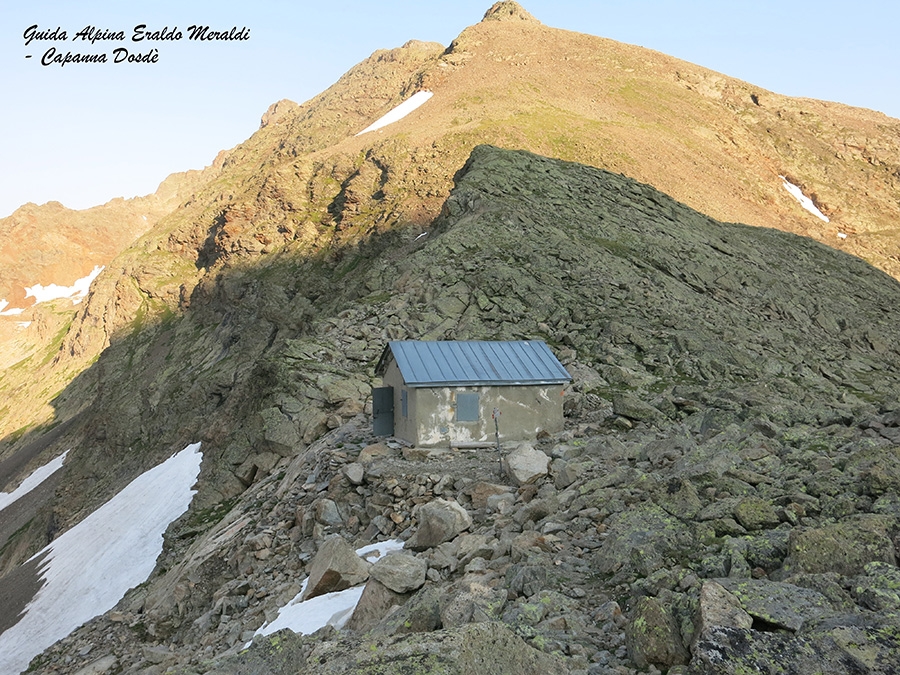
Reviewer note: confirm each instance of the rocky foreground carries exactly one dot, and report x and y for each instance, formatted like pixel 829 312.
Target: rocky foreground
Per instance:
pixel 683 547
pixel 725 497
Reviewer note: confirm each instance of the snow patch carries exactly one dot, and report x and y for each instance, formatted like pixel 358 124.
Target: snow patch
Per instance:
pixel 23 324
pixel 331 609
pixel 8 312
pixel 37 477
pixel 400 111
pixel 842 235
pixel 805 201
pixel 76 292
pixel 89 568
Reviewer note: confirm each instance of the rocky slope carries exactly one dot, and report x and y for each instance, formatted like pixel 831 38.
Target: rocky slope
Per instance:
pixel 51 245
pixel 726 487
pixel 733 422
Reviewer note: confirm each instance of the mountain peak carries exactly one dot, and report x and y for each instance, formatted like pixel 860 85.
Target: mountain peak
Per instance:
pixel 508 10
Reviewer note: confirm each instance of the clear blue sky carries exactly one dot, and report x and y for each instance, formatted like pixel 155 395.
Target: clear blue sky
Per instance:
pixel 85 133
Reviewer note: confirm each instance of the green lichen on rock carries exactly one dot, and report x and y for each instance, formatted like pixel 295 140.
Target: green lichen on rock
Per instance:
pixel 844 547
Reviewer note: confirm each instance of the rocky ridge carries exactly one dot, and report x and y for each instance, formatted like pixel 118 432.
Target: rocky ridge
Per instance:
pixel 724 495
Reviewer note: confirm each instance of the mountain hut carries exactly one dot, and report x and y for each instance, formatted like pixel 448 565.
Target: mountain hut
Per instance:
pixel 449 392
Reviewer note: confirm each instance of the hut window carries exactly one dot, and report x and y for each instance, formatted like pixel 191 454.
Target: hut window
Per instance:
pixel 404 403
pixel 467 407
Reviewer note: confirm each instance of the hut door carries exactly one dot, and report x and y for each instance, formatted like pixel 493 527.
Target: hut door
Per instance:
pixel 383 411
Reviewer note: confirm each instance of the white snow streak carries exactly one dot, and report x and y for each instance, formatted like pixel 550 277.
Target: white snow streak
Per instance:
pixel 805 201
pixel 90 567
pixel 8 312
pixel 37 477
pixel 76 291
pixel 330 609
pixel 400 111
pixel 23 324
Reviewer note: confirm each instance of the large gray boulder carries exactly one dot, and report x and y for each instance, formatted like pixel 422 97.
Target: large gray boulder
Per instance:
pixel 440 520
pixel 652 636
pixel 334 568
pixel 400 572
pixel 526 464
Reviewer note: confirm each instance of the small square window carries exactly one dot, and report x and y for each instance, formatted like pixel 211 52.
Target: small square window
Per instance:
pixel 467 407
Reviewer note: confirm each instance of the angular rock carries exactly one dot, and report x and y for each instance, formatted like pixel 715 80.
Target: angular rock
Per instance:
pixel 717 608
pixel 480 491
pixel 327 512
pixel 652 636
pixel 640 539
pixel 280 431
pixel 879 589
pixel 400 572
pixel 474 546
pixel 844 547
pixel 372 452
pixel 420 614
pixel 355 473
pixel 779 604
pixel 756 514
pixel 439 521
pixel 678 497
pixel 630 406
pixel 473 604
pixel 334 568
pixel 526 464
pixel 374 604
pixel 473 649
pixel 840 650
pixel 526 580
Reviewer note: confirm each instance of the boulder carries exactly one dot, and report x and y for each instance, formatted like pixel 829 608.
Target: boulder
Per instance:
pixel 526 464
pixel 334 568
pixel 372 452
pixel 420 614
pixel 355 473
pixel 754 513
pixel 779 604
pixel 473 603
pixel 640 540
pixel 400 572
pixel 480 491
pixel 439 521
pixel 652 636
pixel 374 604
pixel 717 607
pixel 844 547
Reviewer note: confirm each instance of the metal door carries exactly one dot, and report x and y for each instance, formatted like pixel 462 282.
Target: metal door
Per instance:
pixel 383 411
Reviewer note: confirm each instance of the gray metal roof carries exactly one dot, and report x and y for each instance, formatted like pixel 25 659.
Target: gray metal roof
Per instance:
pixel 474 363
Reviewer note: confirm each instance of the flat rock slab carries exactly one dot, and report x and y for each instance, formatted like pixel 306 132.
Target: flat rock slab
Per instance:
pixel 778 603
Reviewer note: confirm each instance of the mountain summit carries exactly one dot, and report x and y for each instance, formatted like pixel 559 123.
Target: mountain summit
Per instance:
pixel 507 10
pixel 723 495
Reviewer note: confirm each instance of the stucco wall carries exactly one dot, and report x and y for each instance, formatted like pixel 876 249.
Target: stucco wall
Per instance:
pixel 524 411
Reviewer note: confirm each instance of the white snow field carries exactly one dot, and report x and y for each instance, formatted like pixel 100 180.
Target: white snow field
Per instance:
pixel 90 567
pixel 330 609
pixel 37 477
pixel 400 111
pixel 804 201
pixel 76 292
